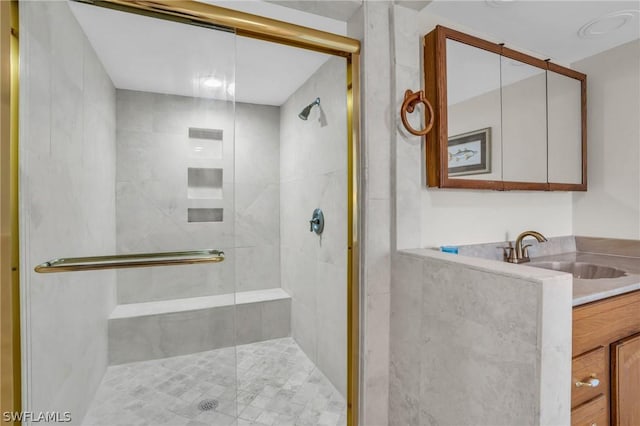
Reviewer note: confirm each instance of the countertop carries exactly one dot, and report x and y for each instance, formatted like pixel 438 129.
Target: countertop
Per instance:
pixel 585 291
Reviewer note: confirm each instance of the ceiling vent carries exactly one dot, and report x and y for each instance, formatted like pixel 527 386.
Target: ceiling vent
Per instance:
pixel 608 23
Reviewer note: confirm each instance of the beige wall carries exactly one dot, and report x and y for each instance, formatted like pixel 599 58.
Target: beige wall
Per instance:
pixel 611 206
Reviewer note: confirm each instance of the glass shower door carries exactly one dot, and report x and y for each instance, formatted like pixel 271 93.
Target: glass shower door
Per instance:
pixel 291 162
pixel 127 217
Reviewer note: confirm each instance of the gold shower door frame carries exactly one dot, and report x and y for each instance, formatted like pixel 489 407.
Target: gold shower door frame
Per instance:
pixel 244 24
pixel 10 389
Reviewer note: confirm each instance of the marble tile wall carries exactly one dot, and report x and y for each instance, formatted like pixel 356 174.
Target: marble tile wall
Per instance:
pixel 67 200
pixel 152 198
pixel 467 333
pixel 313 174
pixel 145 337
pixel 371 26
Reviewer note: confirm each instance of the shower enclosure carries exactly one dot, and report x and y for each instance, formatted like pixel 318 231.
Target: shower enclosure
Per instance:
pixel 169 172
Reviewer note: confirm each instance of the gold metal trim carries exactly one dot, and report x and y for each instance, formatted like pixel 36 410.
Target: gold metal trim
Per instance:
pixel 244 24
pixel 137 260
pixel 353 227
pixel 10 400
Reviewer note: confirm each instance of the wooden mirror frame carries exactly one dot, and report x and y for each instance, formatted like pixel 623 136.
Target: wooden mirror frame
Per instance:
pixel 435 84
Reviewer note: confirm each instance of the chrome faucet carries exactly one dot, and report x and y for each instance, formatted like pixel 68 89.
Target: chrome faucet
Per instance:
pixel 520 253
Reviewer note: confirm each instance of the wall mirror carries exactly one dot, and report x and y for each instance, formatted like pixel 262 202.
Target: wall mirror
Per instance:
pixel 504 120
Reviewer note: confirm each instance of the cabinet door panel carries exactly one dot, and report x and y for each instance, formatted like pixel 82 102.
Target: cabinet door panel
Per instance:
pixel 592 413
pixel 473 109
pixel 625 386
pixel 524 122
pixel 490 109
pixel 565 128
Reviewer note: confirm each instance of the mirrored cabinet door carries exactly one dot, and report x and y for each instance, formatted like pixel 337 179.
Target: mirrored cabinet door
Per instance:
pixel 524 121
pixel 565 128
pixel 473 110
pixel 498 123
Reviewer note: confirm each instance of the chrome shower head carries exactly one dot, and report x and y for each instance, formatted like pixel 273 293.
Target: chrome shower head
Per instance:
pixel 304 114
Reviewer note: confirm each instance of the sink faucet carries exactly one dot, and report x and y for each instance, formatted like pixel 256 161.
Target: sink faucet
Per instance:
pixel 519 253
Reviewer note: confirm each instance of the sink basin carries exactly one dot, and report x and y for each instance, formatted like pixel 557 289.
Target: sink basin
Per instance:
pixel 584 271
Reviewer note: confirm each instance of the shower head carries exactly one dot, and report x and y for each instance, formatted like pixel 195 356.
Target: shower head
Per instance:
pixel 304 114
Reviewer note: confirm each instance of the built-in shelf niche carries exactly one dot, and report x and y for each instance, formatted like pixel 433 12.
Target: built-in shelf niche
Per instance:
pixel 204 183
pixel 205 143
pixel 204 215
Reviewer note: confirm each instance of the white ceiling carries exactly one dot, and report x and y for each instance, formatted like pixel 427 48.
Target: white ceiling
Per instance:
pixel 547 29
pixel 152 55
pixel 341 10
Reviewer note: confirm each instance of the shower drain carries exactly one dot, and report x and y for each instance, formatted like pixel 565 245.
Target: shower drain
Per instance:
pixel 208 404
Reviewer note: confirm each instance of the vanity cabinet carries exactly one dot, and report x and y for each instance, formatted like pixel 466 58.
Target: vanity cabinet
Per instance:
pixel 606 362
pixel 625 381
pixel 503 120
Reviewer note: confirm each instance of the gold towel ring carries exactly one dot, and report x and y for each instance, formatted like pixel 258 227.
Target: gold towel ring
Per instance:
pixel 411 99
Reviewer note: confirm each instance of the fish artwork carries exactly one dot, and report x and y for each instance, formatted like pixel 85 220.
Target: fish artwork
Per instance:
pixel 462 154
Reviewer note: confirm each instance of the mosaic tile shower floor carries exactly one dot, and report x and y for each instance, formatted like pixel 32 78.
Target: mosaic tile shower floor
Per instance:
pixel 276 385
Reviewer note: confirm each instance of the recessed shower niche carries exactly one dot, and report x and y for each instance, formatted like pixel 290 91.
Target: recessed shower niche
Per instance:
pixel 204 183
pixel 204 215
pixel 205 143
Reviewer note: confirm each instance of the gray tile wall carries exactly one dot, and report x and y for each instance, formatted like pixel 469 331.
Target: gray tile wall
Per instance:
pixel 313 173
pixel 141 338
pixel 371 25
pixel 67 199
pixel 467 333
pixel 152 200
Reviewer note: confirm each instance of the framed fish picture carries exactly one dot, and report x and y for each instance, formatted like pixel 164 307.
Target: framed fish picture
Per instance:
pixel 470 153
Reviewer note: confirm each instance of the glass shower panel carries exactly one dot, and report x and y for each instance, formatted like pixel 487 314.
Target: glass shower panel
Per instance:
pixel 291 159
pixel 127 144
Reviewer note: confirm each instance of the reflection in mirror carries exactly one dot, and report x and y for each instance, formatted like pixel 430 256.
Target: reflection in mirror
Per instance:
pixel 474 121
pixel 565 128
pixel 524 122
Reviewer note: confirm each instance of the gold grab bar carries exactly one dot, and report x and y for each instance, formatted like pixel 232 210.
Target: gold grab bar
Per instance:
pixel 139 260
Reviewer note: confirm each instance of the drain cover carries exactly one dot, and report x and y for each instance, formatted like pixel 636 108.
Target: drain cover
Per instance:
pixel 208 405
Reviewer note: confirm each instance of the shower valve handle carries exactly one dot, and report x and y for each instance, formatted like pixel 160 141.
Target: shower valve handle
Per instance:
pixel 316 224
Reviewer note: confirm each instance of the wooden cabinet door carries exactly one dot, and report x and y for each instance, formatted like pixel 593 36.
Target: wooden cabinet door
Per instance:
pixel 625 383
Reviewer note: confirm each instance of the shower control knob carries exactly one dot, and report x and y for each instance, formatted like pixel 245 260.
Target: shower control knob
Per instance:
pixel 316 224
